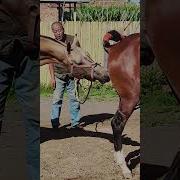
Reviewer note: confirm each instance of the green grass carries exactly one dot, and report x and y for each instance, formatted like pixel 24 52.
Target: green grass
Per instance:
pixel 102 92
pixel 159 109
pixel 45 90
pixel 158 104
pixel 98 92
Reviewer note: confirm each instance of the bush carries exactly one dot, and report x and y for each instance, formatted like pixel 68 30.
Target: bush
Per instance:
pixel 155 90
pixel 129 12
pixel 152 79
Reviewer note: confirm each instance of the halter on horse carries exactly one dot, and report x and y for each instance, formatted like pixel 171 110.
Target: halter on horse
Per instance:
pixel 124 72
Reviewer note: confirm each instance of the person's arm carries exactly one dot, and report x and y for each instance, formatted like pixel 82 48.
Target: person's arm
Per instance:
pixel 52 76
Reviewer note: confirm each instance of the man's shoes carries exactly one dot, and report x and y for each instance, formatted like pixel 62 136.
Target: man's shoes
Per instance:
pixel 55 125
pixel 78 126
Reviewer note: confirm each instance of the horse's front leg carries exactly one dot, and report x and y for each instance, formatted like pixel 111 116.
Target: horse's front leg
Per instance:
pixel 118 123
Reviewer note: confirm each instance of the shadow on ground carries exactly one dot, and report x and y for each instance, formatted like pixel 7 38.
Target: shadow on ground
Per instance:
pixel 152 172
pixel 91 119
pixel 133 158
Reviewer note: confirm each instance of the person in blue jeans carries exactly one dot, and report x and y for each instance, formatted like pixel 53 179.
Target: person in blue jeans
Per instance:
pixel 60 82
pixel 19 66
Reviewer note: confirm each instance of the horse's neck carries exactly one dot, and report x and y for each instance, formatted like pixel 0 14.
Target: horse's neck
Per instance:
pixel 53 48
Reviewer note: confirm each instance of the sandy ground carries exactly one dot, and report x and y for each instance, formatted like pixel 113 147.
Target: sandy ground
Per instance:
pixel 87 154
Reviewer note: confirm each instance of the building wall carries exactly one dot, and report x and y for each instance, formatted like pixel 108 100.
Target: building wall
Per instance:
pixel 48 12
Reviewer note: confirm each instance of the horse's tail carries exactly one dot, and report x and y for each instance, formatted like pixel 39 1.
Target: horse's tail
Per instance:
pixel 113 36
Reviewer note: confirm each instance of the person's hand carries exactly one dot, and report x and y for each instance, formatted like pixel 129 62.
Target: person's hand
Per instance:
pixel 53 83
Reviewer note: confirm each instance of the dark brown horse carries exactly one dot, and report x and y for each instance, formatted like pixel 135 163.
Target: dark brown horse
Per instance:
pixel 160 26
pixel 124 72
pixel 162 33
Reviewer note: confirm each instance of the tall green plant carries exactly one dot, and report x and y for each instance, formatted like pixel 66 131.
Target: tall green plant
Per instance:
pixel 130 12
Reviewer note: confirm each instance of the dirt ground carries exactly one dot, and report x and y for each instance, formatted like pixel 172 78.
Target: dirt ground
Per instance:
pixel 67 154
pixel 88 154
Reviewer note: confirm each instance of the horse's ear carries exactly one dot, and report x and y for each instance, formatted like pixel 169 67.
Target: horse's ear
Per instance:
pixel 69 47
pixel 75 42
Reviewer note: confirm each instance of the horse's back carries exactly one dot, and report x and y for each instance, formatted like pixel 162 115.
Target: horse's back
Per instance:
pixel 128 44
pixel 124 64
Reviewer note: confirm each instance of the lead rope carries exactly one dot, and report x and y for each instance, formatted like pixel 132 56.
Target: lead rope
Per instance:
pixel 78 83
pixel 77 92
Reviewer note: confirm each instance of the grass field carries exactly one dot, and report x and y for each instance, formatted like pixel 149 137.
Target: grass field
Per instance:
pixel 159 108
pixel 98 92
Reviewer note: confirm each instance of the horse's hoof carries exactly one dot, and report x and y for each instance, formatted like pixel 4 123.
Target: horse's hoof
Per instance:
pixel 120 161
pixel 127 174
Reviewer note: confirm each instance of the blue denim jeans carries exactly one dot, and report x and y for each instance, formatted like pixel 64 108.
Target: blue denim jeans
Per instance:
pixel 24 73
pixel 74 106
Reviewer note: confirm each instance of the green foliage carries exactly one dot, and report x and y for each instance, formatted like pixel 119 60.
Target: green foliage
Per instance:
pixel 155 90
pixel 158 98
pixel 152 79
pixel 46 90
pixel 98 92
pixel 152 116
pixel 158 104
pixel 129 12
pixel 103 92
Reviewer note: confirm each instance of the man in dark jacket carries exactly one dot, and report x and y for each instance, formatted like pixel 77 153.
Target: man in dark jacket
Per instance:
pixel 20 67
pixel 60 82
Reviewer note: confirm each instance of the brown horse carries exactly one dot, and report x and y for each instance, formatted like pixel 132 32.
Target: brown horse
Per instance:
pixel 162 33
pixel 124 72
pixel 160 26
pixel 72 59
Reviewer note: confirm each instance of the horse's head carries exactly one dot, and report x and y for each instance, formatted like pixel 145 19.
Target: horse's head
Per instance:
pixel 82 65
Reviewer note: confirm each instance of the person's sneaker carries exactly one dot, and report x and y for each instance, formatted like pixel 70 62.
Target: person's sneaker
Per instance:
pixel 55 125
pixel 78 126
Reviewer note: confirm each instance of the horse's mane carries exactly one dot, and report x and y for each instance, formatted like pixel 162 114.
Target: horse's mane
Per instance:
pixel 116 36
pixel 59 42
pixel 111 35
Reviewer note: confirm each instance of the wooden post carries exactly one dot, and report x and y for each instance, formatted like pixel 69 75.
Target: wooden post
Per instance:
pixel 59 11
pixel 75 29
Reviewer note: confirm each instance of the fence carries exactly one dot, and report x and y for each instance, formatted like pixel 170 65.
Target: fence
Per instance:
pixel 90 36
